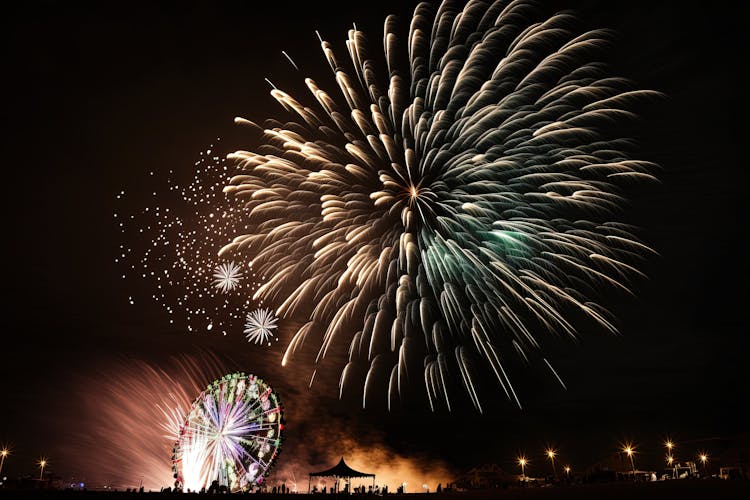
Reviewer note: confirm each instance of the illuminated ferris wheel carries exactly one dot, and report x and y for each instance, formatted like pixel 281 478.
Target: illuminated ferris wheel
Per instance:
pixel 231 435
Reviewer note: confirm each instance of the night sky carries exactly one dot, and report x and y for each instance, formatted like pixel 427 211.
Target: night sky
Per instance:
pixel 98 96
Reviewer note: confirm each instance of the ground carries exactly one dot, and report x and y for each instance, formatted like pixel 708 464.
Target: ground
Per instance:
pixel 682 489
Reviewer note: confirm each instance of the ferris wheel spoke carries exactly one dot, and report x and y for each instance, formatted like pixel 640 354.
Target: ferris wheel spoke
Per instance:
pixel 265 427
pixel 263 438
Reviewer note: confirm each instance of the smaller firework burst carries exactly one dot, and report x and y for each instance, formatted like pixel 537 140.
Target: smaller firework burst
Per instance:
pixel 259 326
pixel 227 276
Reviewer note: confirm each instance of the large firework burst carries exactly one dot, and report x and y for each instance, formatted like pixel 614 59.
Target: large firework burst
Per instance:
pixel 463 208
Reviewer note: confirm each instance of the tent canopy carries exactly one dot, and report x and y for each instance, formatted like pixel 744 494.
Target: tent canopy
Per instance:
pixel 341 470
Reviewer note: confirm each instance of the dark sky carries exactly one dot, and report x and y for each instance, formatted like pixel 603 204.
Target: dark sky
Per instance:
pixel 99 95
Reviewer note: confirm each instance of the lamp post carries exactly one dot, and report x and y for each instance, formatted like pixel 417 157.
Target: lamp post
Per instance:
pixel 630 451
pixel 42 464
pixel 522 462
pixel 3 453
pixel 703 457
pixel 551 455
pixel 670 462
pixel 669 445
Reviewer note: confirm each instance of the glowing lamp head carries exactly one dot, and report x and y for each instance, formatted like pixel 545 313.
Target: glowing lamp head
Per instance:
pixel 551 454
pixel 522 461
pixel 4 452
pixel 669 445
pixel 670 459
pixel 42 463
pixel 703 457
pixel 567 469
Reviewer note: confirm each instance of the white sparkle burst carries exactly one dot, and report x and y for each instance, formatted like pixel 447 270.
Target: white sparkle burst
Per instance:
pixel 259 325
pixel 227 276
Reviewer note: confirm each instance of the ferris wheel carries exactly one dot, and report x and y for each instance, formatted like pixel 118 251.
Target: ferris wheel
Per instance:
pixel 231 435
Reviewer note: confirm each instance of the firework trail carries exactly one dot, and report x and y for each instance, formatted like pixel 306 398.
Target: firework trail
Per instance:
pixel 132 415
pixel 452 214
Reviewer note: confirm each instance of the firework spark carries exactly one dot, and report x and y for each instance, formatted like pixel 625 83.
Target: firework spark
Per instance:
pixel 259 326
pixel 458 217
pixel 227 276
pixel 172 244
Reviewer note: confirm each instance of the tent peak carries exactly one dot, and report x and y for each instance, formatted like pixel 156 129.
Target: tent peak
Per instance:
pixel 342 469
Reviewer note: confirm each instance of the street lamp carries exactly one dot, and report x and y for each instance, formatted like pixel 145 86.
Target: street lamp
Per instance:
pixel 551 455
pixel 670 462
pixel 522 462
pixel 3 453
pixel 567 472
pixel 670 445
pixel 42 463
pixel 703 457
pixel 630 451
